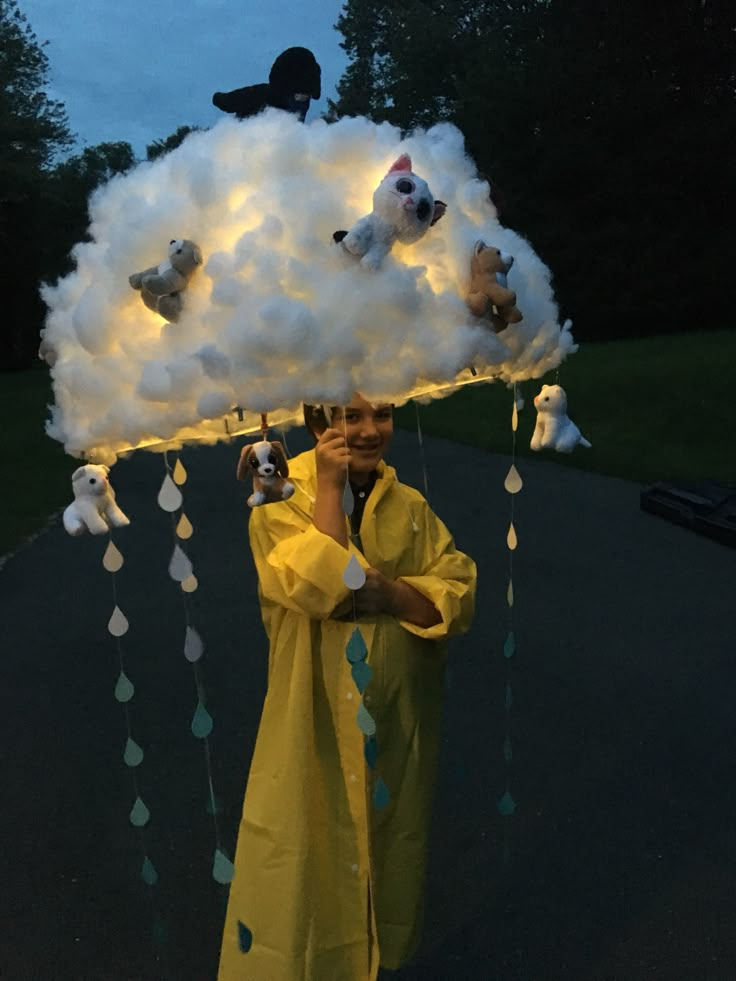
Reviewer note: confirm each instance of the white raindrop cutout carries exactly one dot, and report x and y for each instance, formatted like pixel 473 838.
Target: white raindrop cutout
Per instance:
pixel 348 499
pixel 112 560
pixel 513 482
pixel 180 567
pixel 169 497
pixel 354 575
pixel 118 624
pixel 193 645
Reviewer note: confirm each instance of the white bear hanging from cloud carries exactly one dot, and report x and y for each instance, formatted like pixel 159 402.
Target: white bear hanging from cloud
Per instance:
pixel 554 429
pixel 94 508
pixel 403 211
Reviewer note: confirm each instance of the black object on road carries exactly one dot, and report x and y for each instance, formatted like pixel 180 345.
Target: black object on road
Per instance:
pixel 703 506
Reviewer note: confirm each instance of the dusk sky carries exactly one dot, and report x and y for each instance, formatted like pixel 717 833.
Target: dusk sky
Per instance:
pixel 137 70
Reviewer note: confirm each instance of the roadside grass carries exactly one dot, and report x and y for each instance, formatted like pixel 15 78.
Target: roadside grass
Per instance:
pixel 34 470
pixel 658 408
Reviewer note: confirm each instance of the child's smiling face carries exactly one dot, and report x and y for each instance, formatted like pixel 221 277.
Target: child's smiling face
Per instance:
pixel 368 429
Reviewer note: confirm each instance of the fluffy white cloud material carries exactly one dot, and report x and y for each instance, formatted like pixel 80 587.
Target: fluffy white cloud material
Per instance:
pixel 279 314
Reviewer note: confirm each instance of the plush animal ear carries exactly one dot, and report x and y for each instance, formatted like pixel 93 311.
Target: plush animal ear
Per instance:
pixel 79 472
pixel 244 462
pixel 439 209
pixel 479 246
pixel 282 467
pixel 401 165
pixel 197 252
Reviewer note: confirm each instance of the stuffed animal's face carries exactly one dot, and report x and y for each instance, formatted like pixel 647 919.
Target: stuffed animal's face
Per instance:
pixel 265 460
pixel 551 399
pixel 90 481
pixel 184 255
pixel 489 260
pixel 405 201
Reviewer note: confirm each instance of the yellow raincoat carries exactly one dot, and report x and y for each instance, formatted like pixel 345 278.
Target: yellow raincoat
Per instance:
pixel 327 884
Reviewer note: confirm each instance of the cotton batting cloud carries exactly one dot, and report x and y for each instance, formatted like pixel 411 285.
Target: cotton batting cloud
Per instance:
pixel 279 314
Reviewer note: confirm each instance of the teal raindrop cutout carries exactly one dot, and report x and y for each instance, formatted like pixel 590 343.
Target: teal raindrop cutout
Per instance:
pixel 370 751
pixel 202 723
pixel 381 795
pixel 356 649
pixel 365 721
pixel 223 869
pixel 509 647
pixel 213 806
pixel 124 689
pixel 148 872
pixel 133 755
pixel 506 805
pixel 160 932
pixel 140 815
pixel 362 674
pixel 245 938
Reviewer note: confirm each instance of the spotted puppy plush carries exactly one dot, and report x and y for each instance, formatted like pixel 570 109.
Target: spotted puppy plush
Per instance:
pixel 403 211
pixel 266 462
pixel 94 508
pixel 554 430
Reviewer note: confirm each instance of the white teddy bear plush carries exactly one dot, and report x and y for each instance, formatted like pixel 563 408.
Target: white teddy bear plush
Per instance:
pixel 403 211
pixel 94 508
pixel 554 431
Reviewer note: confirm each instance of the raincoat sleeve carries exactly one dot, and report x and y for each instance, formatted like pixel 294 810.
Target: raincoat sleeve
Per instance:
pixel 448 580
pixel 299 567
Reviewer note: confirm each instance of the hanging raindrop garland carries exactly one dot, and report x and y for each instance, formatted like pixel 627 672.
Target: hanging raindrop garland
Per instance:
pixel 133 755
pixel 512 484
pixel 357 653
pixel 171 500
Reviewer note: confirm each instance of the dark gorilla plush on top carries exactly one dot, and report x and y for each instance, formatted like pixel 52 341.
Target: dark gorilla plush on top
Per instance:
pixel 295 78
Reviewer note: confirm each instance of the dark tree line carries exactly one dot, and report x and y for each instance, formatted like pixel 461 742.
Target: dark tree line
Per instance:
pixel 606 128
pixel 43 195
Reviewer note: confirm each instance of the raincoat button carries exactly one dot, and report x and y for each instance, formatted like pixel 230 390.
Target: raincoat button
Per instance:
pixel 353 868
pixel 353 778
pixel 367 699
pixel 349 695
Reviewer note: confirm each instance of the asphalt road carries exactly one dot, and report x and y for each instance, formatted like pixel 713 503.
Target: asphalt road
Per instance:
pixel 619 862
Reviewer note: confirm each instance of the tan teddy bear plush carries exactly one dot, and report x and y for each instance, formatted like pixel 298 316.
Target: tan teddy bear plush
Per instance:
pixel 489 296
pixel 161 286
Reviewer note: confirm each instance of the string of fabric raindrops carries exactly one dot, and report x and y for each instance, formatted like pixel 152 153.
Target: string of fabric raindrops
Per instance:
pixel 512 484
pixel 133 754
pixel 357 653
pixel 171 500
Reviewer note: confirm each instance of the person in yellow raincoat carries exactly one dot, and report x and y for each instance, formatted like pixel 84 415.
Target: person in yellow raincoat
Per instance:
pixel 331 854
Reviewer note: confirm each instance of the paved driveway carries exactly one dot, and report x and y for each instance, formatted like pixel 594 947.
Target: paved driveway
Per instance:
pixel 623 846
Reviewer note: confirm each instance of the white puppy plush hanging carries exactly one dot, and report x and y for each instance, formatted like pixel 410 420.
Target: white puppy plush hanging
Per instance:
pixel 554 431
pixel 266 462
pixel 94 508
pixel 403 210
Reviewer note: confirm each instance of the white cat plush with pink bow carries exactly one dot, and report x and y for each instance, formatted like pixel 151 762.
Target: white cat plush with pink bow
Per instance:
pixel 403 210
